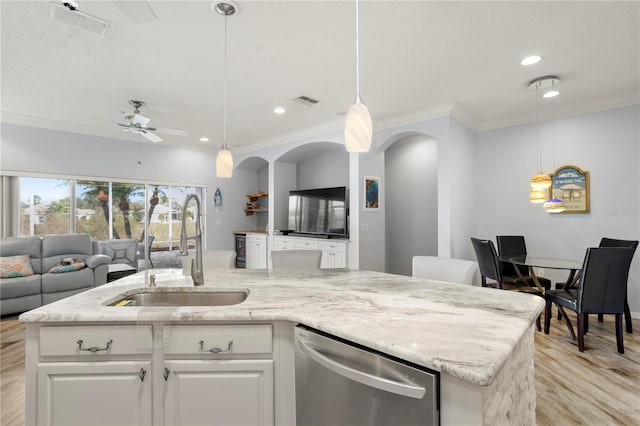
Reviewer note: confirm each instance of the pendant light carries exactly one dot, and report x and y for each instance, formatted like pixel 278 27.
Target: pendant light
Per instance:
pixel 540 181
pixel 553 205
pixel 537 196
pixel 358 128
pixel 224 160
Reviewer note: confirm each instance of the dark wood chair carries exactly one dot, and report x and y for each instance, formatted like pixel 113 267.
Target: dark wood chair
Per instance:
pixel 490 268
pixel 612 242
pixel 601 290
pixel 515 246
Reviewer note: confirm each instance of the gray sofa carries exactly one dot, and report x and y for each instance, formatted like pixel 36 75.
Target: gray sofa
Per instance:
pixel 24 293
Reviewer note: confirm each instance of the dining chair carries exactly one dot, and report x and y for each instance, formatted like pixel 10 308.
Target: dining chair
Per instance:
pixel 612 242
pixel 601 290
pixel 489 265
pixel 515 246
pixel 296 259
pixel 459 271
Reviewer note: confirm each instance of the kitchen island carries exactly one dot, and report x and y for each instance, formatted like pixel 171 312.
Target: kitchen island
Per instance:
pixel 479 340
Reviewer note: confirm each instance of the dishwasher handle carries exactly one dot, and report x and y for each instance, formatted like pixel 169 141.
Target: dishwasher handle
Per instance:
pixel 367 379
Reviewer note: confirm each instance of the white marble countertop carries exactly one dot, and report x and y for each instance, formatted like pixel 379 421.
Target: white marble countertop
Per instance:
pixel 460 330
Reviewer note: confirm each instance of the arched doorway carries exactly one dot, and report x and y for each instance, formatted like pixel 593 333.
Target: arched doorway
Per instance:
pixel 411 200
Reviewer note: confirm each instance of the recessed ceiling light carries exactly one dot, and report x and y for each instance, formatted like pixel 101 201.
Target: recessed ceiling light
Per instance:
pixel 204 139
pixel 279 110
pixel 530 60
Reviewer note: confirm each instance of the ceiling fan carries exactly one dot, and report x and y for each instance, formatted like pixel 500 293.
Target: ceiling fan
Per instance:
pixel 138 123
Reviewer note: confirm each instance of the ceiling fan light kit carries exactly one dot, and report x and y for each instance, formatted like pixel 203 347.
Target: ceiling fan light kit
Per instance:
pixel 137 123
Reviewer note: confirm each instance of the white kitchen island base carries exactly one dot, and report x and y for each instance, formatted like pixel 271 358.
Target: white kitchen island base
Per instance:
pixel 479 340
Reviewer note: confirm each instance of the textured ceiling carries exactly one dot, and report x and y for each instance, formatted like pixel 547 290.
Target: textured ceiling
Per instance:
pixel 418 60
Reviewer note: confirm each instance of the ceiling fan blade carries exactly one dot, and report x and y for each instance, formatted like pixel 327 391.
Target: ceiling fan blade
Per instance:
pixel 151 136
pixel 136 11
pixel 141 120
pixel 173 132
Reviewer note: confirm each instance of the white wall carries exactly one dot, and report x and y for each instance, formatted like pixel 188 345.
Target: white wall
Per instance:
pixel 285 181
pixel 605 143
pixel 411 202
pixel 461 173
pixel 262 184
pixel 324 170
pixel 33 150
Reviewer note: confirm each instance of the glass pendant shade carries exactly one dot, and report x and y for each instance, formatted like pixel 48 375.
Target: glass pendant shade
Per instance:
pixel 224 163
pixel 537 196
pixel 541 181
pixel 554 206
pixel 358 128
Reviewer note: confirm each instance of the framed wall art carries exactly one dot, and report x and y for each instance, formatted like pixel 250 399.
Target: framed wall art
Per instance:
pixel 371 190
pixel 571 185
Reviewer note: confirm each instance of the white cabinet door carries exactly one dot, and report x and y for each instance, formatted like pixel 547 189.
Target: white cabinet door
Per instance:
pixel 94 393
pixel 219 392
pixel 256 251
pixel 334 254
pixel 332 260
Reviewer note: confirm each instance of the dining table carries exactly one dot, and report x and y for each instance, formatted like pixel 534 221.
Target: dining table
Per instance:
pixel 532 262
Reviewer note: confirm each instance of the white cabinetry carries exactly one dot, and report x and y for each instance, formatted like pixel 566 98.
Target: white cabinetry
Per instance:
pixel 94 393
pixel 334 252
pixel 219 392
pixel 143 375
pixel 256 251
pixel 94 364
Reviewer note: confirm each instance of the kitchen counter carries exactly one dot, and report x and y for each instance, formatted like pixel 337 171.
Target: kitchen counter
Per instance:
pixel 462 331
pixel 255 231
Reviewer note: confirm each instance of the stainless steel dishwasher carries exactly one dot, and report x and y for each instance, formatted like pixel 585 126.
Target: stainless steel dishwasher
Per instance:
pixel 340 383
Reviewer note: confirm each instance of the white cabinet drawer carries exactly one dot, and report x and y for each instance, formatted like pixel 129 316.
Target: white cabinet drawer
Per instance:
pixel 223 339
pixel 332 246
pixel 306 244
pixel 98 340
pixel 281 243
pixel 257 239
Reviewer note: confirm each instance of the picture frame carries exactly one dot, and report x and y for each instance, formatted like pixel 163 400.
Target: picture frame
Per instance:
pixel 371 193
pixel 571 185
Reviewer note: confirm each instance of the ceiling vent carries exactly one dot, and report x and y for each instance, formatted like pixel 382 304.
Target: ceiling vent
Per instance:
pixel 305 100
pixel 78 19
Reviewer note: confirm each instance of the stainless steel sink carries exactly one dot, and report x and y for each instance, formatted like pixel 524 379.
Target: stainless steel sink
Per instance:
pixel 182 298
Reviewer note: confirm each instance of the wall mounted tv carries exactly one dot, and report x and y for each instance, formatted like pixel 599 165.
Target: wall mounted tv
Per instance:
pixel 321 211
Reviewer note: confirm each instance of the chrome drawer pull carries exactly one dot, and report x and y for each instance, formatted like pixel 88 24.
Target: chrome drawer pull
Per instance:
pixel 94 349
pixel 216 350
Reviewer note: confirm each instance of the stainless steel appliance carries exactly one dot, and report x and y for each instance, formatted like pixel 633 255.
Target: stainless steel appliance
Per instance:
pixel 340 383
pixel 241 251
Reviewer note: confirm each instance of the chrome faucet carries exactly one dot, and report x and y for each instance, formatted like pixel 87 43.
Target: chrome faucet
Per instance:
pixel 196 264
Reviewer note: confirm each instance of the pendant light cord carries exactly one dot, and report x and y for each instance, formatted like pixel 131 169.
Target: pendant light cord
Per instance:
pixel 538 144
pixel 357 53
pixel 224 116
pixel 553 128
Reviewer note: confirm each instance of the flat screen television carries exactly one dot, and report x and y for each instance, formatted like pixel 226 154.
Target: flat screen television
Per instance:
pixel 321 211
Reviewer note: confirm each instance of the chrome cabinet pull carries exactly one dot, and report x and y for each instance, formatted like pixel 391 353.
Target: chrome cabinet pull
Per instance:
pixel 142 373
pixel 166 374
pixel 216 350
pixel 95 349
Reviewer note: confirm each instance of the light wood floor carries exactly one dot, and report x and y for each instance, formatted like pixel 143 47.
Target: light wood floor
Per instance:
pixel 597 387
